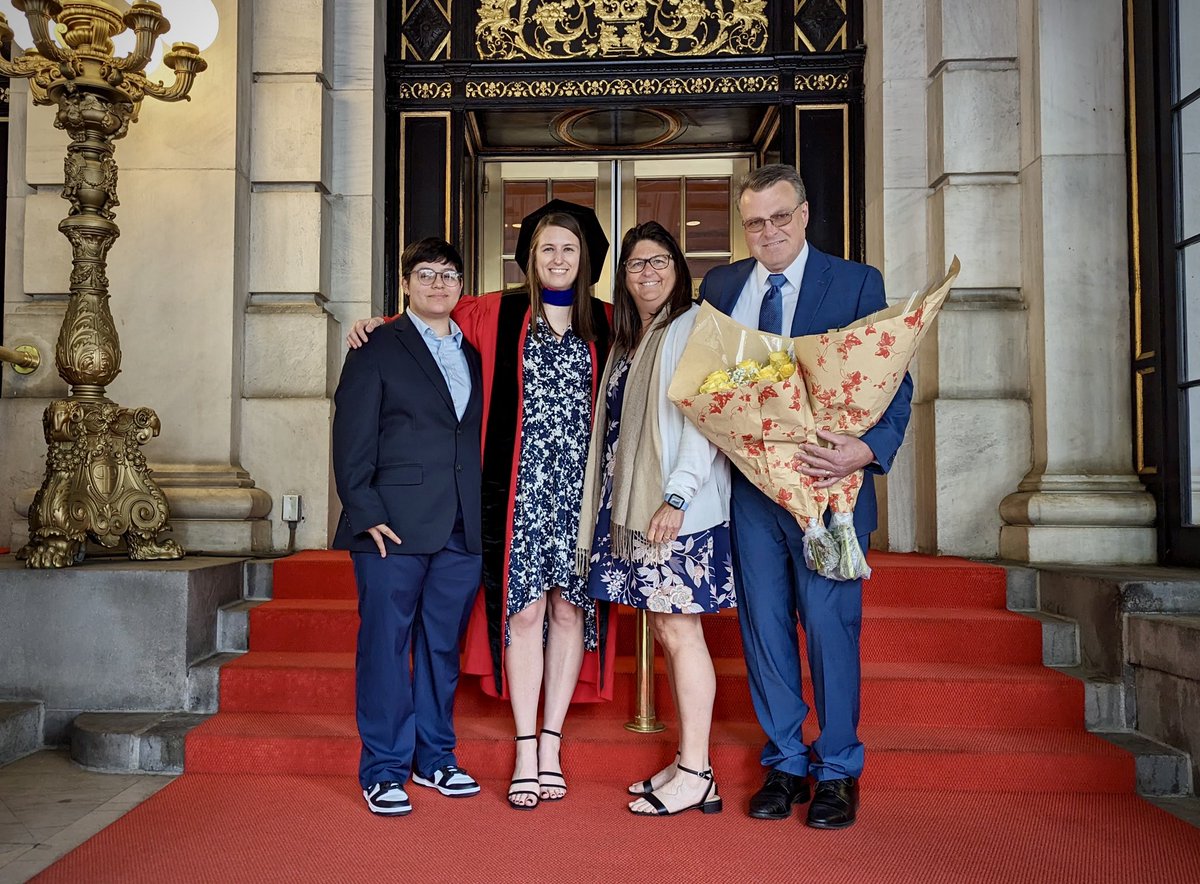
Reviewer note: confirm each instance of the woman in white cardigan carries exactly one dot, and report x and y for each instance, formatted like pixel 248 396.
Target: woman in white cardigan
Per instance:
pixel 655 529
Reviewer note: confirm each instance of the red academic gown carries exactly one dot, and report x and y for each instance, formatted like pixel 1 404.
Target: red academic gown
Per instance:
pixel 497 324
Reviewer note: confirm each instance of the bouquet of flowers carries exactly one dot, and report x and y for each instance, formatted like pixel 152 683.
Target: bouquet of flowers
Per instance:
pixel 846 380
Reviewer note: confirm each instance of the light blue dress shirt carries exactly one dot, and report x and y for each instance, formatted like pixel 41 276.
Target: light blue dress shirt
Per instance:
pixel 451 361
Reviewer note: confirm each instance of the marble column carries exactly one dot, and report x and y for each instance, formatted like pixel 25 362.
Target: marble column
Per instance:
pixel 971 411
pixel 896 204
pixel 1080 501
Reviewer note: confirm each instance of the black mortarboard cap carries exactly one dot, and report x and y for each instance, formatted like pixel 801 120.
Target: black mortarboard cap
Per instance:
pixel 593 234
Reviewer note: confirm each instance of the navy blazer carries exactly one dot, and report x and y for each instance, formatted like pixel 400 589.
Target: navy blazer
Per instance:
pixel 833 294
pixel 401 456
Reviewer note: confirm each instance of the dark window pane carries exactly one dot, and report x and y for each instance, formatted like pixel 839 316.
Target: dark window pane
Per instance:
pixel 1189 463
pixel 582 192
pixel 658 200
pixel 512 273
pixel 1189 300
pixel 707 215
pixel 701 266
pixel 520 198
pixel 1187 122
pixel 1187 39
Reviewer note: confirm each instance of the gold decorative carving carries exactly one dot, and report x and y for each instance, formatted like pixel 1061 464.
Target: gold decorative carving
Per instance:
pixel 633 87
pixel 424 91
pixel 822 82
pixel 561 29
pixel 97 483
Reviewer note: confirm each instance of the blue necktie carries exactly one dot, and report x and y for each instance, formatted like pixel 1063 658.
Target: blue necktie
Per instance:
pixel 770 316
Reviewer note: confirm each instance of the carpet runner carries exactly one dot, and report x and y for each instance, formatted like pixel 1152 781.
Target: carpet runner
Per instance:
pixel 978 765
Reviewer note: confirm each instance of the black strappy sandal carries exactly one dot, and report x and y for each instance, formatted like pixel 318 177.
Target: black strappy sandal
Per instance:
pixel 645 787
pixel 553 773
pixel 704 805
pixel 512 792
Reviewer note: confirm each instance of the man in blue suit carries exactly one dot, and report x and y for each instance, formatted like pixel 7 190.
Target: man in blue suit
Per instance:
pixel 406 457
pixel 791 288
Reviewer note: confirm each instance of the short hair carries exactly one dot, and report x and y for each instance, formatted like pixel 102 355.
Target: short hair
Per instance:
pixel 432 249
pixel 768 176
pixel 627 320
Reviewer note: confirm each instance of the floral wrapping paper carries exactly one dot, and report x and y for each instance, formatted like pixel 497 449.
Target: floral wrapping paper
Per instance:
pixel 852 373
pixel 759 426
pixel 849 377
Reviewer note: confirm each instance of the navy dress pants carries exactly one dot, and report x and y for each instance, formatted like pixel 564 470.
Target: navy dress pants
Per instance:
pixel 413 610
pixel 776 590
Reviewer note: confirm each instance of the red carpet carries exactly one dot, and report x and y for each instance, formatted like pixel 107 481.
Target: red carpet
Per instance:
pixel 978 767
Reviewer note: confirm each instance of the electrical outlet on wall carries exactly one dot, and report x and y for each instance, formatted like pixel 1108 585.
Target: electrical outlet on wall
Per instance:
pixel 291 508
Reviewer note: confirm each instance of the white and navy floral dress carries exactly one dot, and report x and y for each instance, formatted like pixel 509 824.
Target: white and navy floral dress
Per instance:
pixel 691 575
pixel 556 426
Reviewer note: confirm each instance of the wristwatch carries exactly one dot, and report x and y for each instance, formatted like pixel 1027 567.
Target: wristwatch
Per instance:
pixel 676 501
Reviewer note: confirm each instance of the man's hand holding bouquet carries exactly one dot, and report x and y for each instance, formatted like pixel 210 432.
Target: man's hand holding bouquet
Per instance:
pixel 760 398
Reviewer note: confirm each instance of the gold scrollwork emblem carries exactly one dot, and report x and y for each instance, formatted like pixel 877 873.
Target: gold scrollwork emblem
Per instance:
pixel 619 28
pixel 822 82
pixel 634 87
pixel 424 91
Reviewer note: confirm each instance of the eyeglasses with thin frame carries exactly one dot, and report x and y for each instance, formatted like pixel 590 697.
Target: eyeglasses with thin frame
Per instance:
pixel 450 278
pixel 778 220
pixel 658 262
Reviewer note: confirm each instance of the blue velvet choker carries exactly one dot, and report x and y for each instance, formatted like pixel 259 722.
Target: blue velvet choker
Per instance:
pixel 558 298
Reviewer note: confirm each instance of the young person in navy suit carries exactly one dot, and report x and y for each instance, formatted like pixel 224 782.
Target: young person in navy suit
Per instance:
pixel 789 287
pixel 406 457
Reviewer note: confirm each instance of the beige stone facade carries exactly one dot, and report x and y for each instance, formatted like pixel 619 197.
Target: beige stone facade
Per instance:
pixel 252 221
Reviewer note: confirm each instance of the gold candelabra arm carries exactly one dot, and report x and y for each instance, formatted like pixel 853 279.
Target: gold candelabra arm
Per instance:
pixel 24 359
pixel 146 21
pixel 39 13
pixel 184 59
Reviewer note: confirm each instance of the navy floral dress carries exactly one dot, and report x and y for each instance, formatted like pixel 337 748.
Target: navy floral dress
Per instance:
pixel 556 427
pixel 691 575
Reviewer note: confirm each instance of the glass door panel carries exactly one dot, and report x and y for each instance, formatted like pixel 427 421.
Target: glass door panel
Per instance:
pixel 513 189
pixel 691 197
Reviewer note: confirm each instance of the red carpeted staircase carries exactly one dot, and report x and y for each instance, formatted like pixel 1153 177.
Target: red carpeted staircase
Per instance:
pixel 978 768
pixel 954 694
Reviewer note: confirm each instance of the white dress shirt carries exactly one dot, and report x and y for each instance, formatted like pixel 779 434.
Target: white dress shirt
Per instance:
pixel 749 302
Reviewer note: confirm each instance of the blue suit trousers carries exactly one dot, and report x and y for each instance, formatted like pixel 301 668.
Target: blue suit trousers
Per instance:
pixel 776 590
pixel 413 610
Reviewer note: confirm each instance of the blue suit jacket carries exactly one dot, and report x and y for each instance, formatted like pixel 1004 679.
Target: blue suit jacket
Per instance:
pixel 401 456
pixel 833 294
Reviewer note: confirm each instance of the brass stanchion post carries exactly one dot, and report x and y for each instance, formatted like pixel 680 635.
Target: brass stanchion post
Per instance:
pixel 644 721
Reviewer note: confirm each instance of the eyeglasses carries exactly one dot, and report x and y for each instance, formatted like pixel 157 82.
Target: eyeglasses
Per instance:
pixel 658 262
pixel 450 278
pixel 779 219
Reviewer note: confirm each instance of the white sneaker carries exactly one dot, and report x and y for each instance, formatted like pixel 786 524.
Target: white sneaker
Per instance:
pixel 449 780
pixel 388 799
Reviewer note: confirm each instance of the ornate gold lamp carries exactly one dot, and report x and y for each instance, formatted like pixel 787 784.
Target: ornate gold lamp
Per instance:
pixel 97 483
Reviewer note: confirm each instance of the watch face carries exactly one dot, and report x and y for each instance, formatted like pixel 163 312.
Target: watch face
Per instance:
pixel 675 500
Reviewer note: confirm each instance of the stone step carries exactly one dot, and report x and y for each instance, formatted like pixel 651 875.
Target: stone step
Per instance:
pixel 204 682
pixel 127 742
pixel 233 625
pixel 20 729
pixel 1161 770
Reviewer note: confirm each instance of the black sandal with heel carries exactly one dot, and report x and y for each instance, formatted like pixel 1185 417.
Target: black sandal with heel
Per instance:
pixel 562 784
pixel 645 787
pixel 704 805
pixel 512 792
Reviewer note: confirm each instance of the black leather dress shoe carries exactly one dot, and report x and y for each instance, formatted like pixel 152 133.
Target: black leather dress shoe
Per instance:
pixel 779 792
pixel 835 804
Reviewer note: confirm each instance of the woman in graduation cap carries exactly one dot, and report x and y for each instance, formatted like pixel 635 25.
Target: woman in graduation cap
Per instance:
pixel 535 629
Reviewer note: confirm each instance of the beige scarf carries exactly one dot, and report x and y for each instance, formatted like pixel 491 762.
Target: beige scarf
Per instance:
pixel 637 474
